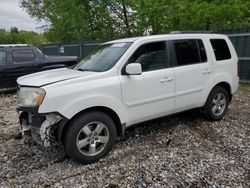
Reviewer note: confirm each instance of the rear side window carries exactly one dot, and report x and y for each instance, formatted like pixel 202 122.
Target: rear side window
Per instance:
pixel 221 49
pixel 151 56
pixel 23 55
pixel 189 51
pixel 3 57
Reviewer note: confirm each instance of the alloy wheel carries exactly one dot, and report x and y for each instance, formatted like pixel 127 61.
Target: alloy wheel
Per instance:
pixel 219 104
pixel 92 138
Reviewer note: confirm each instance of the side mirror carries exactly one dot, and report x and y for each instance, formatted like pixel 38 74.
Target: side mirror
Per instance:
pixel 134 69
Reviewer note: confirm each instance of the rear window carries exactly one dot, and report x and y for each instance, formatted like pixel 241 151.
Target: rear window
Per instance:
pixel 2 57
pixel 221 49
pixel 23 55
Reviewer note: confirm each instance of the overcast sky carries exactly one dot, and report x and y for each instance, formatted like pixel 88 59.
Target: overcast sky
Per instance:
pixel 11 15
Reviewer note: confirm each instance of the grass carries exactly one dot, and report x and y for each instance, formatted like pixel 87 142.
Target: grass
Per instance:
pixel 244 85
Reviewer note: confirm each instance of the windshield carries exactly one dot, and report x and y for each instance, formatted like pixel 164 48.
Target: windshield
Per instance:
pixel 103 58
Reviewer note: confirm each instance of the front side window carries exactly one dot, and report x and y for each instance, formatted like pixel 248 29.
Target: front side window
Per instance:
pixel 103 58
pixel 221 49
pixel 151 56
pixel 24 55
pixel 189 51
pixel 3 56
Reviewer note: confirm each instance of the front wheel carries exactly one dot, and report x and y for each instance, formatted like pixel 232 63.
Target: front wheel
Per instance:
pixel 217 104
pixel 90 137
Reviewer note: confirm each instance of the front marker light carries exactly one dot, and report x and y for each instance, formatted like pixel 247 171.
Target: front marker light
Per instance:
pixel 30 97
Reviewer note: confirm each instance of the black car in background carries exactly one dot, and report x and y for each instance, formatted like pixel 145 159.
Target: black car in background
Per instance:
pixel 21 59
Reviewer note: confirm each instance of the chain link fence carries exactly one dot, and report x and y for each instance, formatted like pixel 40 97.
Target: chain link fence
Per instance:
pixel 241 42
pixel 80 49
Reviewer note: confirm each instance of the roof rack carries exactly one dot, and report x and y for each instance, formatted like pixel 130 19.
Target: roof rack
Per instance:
pixel 13 45
pixel 191 32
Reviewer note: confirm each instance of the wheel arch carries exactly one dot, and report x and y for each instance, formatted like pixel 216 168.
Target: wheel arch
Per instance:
pixel 226 86
pixel 120 127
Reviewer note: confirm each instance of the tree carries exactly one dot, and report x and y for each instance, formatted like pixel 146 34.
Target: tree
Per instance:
pixel 72 20
pixel 14 30
pixel 212 15
pixel 15 36
pixel 168 15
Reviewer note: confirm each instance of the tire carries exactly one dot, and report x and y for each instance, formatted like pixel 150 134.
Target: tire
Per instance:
pixel 217 104
pixel 90 137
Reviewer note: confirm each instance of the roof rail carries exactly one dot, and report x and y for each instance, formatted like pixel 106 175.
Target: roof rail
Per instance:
pixel 191 32
pixel 13 45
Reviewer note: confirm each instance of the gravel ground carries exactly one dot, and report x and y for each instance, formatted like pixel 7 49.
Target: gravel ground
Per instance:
pixel 182 150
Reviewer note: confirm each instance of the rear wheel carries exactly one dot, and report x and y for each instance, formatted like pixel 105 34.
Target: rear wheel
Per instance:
pixel 217 104
pixel 90 137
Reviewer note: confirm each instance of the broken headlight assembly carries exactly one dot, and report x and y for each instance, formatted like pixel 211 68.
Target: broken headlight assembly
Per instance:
pixel 30 97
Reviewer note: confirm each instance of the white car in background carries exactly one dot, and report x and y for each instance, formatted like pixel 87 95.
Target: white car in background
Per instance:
pixel 126 82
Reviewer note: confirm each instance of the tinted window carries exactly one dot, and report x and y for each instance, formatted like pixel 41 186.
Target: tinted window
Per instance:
pixel 23 55
pixel 189 52
pixel 2 57
pixel 151 56
pixel 221 49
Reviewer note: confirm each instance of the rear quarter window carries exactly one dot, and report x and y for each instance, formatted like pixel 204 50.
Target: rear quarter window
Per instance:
pixel 221 49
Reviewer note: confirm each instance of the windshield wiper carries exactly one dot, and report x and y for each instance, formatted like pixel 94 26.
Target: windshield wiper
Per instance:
pixel 80 69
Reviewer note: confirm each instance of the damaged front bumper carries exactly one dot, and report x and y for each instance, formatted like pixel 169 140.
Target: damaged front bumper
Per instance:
pixel 43 127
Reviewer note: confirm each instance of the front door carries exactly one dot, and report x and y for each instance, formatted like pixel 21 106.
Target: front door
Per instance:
pixel 151 94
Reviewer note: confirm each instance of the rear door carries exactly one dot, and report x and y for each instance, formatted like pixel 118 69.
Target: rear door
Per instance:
pixel 192 72
pixel 24 61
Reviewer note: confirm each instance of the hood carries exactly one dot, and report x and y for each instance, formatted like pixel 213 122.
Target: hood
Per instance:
pixel 54 59
pixel 49 77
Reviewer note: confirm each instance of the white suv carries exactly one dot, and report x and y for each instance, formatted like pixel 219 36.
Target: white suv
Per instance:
pixel 126 82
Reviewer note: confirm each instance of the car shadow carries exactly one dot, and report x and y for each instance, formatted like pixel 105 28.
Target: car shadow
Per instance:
pixel 163 124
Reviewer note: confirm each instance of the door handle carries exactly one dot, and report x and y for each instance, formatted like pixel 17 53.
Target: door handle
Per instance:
pixel 168 79
pixel 207 71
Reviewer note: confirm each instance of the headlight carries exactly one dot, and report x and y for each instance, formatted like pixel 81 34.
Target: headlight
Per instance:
pixel 30 97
